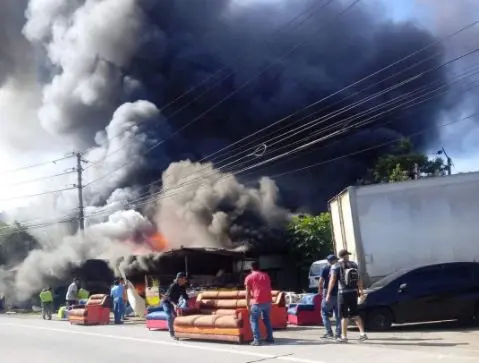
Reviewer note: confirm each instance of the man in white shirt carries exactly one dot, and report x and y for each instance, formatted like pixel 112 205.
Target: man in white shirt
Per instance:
pixel 72 293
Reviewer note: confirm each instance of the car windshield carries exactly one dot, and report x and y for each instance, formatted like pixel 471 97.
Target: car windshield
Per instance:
pixel 390 278
pixel 316 268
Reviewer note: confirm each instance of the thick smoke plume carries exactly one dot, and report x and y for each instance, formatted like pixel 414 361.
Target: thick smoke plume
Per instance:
pixel 202 207
pixel 127 81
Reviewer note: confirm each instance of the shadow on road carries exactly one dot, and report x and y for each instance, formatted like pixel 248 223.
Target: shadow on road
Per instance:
pixel 442 326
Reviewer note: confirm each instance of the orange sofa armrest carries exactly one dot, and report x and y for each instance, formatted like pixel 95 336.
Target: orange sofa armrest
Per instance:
pixel 242 313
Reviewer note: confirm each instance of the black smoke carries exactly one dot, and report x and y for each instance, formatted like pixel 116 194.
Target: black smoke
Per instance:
pixel 201 38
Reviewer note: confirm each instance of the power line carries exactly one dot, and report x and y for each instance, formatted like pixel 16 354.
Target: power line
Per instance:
pixel 30 181
pixel 232 93
pixel 468 26
pixel 438 41
pixel 178 188
pixel 414 134
pixel 168 193
pixel 35 195
pixel 150 200
pixel 310 11
pixel 36 165
pixel 344 122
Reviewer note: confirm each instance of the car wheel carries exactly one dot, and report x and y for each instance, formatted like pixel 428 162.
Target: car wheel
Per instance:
pixel 379 319
pixel 475 319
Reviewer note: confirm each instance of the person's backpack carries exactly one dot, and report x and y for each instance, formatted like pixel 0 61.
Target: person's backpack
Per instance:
pixel 350 276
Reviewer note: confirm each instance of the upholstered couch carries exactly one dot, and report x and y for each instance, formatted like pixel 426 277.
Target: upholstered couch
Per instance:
pixel 223 315
pixel 95 312
pixel 307 311
pixel 156 318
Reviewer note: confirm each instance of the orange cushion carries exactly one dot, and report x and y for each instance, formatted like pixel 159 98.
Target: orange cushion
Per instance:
pixel 208 321
pixel 77 312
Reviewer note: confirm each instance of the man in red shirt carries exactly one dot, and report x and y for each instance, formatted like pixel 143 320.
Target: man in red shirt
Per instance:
pixel 258 300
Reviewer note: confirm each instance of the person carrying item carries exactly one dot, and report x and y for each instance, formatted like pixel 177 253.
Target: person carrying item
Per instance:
pixel 72 293
pixel 346 273
pixel 171 300
pixel 117 297
pixel 46 298
pixel 259 301
pixel 330 305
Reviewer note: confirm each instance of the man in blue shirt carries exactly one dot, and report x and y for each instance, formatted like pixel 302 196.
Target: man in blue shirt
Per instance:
pixel 116 294
pixel 330 305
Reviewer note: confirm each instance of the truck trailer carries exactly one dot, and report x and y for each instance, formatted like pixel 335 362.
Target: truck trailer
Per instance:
pixel 388 227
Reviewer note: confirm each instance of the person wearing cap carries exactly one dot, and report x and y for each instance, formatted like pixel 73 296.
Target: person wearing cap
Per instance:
pixel 346 274
pixel 331 305
pixel 171 299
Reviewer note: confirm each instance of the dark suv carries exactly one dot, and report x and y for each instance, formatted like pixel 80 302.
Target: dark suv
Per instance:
pixel 448 291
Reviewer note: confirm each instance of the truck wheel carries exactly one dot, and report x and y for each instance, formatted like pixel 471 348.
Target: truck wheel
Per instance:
pixel 379 319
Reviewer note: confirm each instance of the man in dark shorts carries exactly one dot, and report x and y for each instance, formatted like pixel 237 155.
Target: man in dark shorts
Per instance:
pixel 171 299
pixel 346 273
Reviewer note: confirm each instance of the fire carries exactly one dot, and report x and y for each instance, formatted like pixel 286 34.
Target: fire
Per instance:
pixel 158 242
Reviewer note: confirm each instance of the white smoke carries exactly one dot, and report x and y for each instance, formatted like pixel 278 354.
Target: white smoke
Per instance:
pixel 88 43
pixel 85 46
pixel 107 240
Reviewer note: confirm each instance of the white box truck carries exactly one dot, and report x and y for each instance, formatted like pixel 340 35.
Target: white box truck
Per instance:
pixel 388 227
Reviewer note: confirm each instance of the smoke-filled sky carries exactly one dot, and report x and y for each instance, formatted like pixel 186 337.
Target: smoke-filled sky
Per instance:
pixel 148 88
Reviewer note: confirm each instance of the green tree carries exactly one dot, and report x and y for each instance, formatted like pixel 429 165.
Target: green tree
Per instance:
pixel 404 163
pixel 310 238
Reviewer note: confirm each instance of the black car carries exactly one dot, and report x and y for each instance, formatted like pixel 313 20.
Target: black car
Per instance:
pixel 448 291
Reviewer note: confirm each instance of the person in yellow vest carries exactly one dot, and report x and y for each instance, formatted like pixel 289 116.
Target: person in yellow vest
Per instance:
pixel 46 297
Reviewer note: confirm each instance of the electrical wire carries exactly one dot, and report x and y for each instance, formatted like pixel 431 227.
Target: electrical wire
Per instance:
pixel 313 165
pixel 168 193
pixel 36 165
pixel 364 113
pixel 30 181
pixel 309 11
pixel 414 134
pixel 231 94
pixel 35 195
pixel 433 43
pixel 449 36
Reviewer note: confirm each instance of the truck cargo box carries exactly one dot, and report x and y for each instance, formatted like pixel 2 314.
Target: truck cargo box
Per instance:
pixel 392 226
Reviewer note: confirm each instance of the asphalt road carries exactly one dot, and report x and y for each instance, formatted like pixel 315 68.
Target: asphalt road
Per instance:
pixel 32 339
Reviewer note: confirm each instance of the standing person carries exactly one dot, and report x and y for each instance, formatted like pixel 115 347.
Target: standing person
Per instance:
pixel 117 297
pixel 46 298
pixel 259 301
pixel 171 299
pixel 72 293
pixel 329 305
pixel 346 273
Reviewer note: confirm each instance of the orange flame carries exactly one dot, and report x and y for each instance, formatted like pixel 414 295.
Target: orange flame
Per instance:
pixel 158 242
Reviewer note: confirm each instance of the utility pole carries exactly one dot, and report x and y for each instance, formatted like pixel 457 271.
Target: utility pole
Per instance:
pixel 448 160
pixel 81 213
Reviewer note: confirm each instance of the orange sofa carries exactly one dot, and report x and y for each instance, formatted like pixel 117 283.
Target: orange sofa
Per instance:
pixel 95 312
pixel 222 315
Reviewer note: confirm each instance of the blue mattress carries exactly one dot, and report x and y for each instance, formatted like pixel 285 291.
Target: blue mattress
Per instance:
pixel 156 315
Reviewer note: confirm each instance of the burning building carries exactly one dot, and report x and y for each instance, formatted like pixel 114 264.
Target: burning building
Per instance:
pixel 169 101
